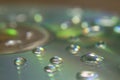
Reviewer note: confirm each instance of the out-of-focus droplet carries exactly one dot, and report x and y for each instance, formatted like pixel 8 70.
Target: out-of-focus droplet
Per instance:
pixel 107 21
pixel 65 25
pixel 39 51
pixel 92 58
pixel 76 19
pixel 50 68
pixel 91 30
pixel 117 29
pixel 73 48
pixel 38 18
pixel 87 75
pixel 21 18
pixel 19 61
pixel 56 60
pixel 101 44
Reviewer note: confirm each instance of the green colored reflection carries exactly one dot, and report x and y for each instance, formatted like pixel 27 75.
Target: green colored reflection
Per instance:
pixel 71 31
pixel 11 32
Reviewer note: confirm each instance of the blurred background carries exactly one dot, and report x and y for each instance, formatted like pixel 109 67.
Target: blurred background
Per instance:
pixel 106 5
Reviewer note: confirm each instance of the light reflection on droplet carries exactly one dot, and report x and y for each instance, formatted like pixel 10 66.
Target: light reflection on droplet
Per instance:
pixel 87 75
pixel 50 68
pixel 57 61
pixel 101 44
pixel 117 29
pixel 73 48
pixel 19 62
pixel 39 51
pixel 92 58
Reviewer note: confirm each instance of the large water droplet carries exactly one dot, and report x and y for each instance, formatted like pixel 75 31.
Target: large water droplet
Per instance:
pixel 87 75
pixel 39 51
pixel 19 61
pixel 56 60
pixel 73 48
pixel 50 68
pixel 101 44
pixel 92 58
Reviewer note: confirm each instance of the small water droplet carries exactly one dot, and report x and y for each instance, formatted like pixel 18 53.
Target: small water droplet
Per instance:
pixel 56 60
pixel 50 68
pixel 87 75
pixel 73 48
pixel 101 44
pixel 39 51
pixel 92 58
pixel 19 61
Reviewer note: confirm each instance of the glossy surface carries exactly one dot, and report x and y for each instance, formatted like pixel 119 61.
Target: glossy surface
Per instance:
pixel 72 67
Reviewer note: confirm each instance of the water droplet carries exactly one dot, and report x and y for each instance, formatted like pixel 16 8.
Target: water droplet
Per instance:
pixel 50 68
pixel 117 29
pixel 101 44
pixel 73 48
pixel 56 60
pixel 19 61
pixel 87 75
pixel 39 51
pixel 92 58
